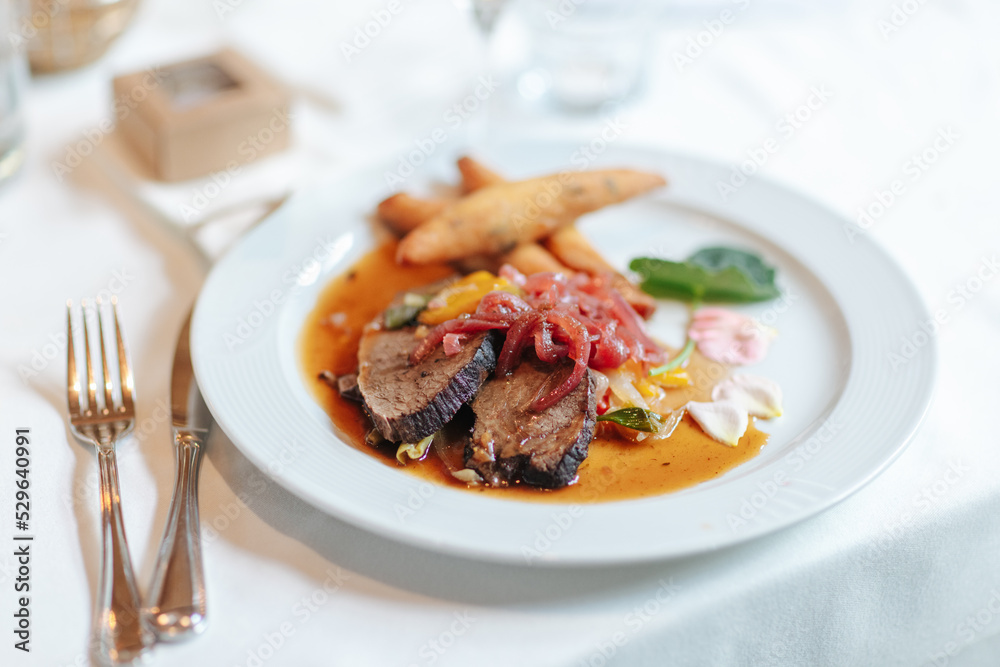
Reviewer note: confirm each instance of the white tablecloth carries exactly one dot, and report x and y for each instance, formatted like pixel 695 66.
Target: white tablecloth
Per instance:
pixel 902 573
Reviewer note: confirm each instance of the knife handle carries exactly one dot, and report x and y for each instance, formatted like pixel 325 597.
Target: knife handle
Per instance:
pixel 176 604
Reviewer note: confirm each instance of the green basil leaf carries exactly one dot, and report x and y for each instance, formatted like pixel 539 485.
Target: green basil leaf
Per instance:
pixel 712 275
pixel 638 419
pixel 719 258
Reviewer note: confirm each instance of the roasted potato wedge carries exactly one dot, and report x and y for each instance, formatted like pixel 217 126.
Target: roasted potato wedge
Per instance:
pixel 403 213
pixel 496 218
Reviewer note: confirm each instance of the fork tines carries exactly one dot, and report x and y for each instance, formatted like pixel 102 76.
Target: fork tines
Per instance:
pixel 91 406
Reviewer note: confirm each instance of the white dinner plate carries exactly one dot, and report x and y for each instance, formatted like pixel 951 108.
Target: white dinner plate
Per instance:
pixel 856 371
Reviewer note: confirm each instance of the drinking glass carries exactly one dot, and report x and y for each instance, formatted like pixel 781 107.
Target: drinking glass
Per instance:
pixel 71 33
pixel 584 53
pixel 13 74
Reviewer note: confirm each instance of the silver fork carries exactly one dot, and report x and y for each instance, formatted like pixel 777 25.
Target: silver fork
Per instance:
pixel 119 632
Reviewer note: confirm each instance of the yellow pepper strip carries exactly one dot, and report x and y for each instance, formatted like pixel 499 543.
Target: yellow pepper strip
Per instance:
pixel 678 377
pixel 648 389
pixel 464 296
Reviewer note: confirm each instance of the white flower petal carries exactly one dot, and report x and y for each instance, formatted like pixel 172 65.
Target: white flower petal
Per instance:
pixel 760 396
pixel 725 421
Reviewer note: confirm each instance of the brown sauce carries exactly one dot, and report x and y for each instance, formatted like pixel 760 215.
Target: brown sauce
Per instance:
pixel 615 469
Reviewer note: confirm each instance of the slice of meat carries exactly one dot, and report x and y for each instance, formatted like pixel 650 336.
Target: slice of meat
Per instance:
pixel 408 403
pixel 510 443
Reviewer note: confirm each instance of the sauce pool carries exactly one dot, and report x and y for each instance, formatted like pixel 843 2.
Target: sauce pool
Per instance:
pixel 615 469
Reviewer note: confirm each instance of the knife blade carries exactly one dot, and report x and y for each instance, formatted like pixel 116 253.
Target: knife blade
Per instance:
pixel 176 605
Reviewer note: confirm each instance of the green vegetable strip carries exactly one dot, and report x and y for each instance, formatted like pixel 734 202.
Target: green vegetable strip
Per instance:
pixel 401 315
pixel 637 419
pixel 681 357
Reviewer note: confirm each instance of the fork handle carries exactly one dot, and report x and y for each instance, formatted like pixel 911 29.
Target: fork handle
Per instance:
pixel 176 605
pixel 121 633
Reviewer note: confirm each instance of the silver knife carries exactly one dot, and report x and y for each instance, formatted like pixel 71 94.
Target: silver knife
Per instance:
pixel 175 608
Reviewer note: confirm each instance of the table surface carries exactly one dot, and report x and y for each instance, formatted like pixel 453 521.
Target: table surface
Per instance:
pixel 901 573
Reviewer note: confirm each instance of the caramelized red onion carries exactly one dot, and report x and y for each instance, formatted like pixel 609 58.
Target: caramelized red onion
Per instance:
pixel 437 334
pixel 517 337
pixel 583 318
pixel 580 354
pixel 452 343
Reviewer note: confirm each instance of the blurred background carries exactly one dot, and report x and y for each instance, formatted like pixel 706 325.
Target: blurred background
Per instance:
pixel 706 77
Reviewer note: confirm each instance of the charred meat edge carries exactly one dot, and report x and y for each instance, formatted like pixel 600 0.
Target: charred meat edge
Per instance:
pixel 562 432
pixel 403 404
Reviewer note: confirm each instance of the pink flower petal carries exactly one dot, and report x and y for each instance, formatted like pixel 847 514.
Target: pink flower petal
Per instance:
pixel 728 337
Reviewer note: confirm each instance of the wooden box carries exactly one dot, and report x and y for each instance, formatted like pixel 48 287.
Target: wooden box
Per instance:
pixel 196 117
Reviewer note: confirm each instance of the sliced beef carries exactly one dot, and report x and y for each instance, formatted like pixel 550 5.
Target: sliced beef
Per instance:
pixel 408 403
pixel 510 443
